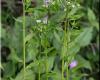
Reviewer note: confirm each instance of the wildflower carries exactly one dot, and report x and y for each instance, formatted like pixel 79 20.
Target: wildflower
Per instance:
pixel 73 64
pixel 68 2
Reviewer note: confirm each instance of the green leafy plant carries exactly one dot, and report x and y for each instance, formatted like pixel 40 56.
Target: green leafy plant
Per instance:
pixel 55 40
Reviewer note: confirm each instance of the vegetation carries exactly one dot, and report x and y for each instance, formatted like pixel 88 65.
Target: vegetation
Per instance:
pixel 50 40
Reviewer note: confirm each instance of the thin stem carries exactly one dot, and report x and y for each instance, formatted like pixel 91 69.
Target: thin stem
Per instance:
pixel 46 68
pixel 39 77
pixel 68 39
pixel 62 69
pixel 63 52
pixel 46 48
pixel 46 62
pixel 67 72
pixel 24 38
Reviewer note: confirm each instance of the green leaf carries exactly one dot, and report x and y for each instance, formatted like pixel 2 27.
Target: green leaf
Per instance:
pixel 92 19
pixel 29 75
pixel 57 36
pixel 32 49
pixel 1 67
pixel 28 37
pixel 91 78
pixel 19 21
pixel 41 64
pixel 14 57
pixel 50 62
pixel 58 17
pixel 91 15
pixel 3 32
pixel 83 63
pixel 84 38
pixel 9 69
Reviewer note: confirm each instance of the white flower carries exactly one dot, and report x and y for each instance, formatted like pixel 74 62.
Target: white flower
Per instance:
pixel 68 2
pixel 38 21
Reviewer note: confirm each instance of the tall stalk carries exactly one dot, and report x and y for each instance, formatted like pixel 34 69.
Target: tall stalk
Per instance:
pixel 68 40
pixel 46 48
pixel 39 77
pixel 46 63
pixel 39 74
pixel 65 43
pixel 62 75
pixel 24 38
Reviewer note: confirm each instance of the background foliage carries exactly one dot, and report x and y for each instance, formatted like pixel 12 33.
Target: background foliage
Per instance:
pixel 45 40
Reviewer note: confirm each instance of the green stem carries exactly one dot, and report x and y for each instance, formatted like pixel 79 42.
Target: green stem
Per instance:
pixel 63 69
pixel 46 61
pixel 39 72
pixel 68 40
pixel 46 48
pixel 24 37
pixel 67 73
pixel 39 77
pixel 46 68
